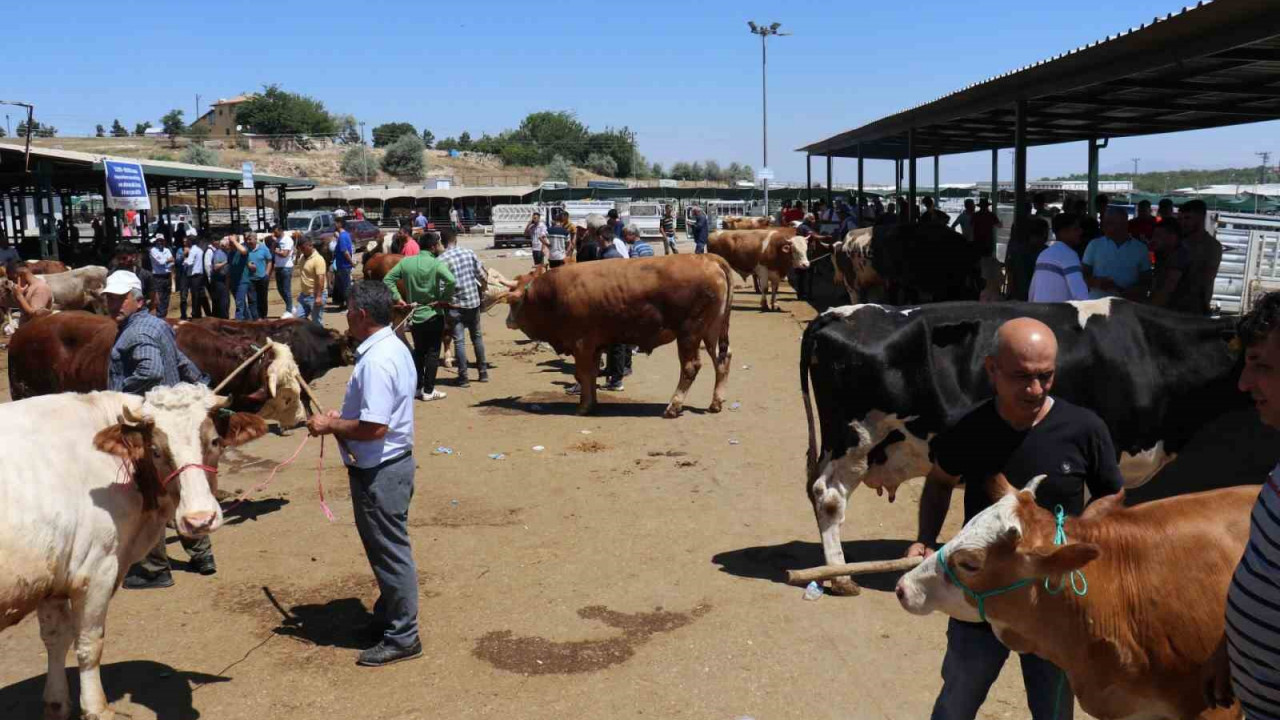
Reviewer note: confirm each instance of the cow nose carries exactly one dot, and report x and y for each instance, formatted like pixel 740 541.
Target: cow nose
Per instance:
pixel 900 591
pixel 199 521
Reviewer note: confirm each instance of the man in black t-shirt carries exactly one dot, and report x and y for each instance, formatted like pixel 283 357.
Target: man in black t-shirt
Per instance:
pixel 1022 432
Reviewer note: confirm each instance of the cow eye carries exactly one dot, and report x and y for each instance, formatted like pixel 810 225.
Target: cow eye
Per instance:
pixel 217 442
pixel 969 567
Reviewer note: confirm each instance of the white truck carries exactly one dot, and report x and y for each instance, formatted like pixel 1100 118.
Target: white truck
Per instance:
pixel 509 222
pixel 579 209
pixel 647 217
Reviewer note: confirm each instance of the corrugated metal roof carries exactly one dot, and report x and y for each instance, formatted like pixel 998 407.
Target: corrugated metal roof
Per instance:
pixel 160 168
pixel 1206 65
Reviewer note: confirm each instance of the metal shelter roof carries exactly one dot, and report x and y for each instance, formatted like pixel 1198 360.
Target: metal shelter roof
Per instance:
pixel 1214 64
pixel 79 172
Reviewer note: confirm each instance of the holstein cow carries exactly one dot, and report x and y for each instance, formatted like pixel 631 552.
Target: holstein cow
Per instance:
pixel 886 380
pixel 580 309
pixel 69 352
pixel 113 469
pixel 769 255
pixel 1131 606
pixel 909 263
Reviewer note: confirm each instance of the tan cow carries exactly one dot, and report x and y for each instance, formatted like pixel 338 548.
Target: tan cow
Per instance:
pixel 1130 606
pixel 769 255
pixel 581 309
pixel 734 222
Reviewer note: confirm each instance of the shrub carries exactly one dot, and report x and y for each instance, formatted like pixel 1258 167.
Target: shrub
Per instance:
pixel 358 163
pixel 404 158
pixel 199 155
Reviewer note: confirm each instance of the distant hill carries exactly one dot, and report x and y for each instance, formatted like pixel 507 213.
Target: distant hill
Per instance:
pixel 1160 182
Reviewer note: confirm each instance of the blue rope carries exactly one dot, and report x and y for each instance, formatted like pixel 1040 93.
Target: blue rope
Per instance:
pixel 1080 588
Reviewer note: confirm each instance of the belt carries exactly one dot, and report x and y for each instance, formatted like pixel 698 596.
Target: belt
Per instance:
pixel 381 465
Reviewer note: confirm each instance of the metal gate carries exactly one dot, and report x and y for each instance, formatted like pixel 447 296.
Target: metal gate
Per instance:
pixel 1250 260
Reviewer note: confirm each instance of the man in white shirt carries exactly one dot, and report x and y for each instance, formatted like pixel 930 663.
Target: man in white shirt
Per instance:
pixel 284 267
pixel 965 221
pixel 375 430
pixel 195 263
pixel 161 274
pixel 1058 275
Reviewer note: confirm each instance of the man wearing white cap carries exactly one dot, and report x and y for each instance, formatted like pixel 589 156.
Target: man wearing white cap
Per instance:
pixel 145 356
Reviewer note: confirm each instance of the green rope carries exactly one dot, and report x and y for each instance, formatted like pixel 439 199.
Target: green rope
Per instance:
pixel 1080 588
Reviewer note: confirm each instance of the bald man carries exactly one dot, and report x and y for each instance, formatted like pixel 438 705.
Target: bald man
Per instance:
pixel 1023 432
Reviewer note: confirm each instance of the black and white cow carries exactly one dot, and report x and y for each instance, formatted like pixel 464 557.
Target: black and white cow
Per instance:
pixel 886 380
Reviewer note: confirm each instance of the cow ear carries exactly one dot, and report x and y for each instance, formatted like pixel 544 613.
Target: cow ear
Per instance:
pixel 124 442
pixel 1054 560
pixel 238 428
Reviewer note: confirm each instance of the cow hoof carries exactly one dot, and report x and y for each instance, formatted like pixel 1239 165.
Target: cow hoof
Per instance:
pixel 715 406
pixel 845 587
pixel 56 711
pixel 106 714
pixel 672 411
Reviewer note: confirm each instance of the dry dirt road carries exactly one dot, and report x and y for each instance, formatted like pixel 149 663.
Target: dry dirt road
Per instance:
pixel 628 570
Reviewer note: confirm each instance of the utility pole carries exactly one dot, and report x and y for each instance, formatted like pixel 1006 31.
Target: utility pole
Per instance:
pixel 197 106
pixel 365 164
pixel 1135 168
pixel 764 33
pixel 1262 177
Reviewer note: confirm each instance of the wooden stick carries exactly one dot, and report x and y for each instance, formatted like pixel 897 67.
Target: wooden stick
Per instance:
pixel 342 447
pixel 242 366
pixel 829 572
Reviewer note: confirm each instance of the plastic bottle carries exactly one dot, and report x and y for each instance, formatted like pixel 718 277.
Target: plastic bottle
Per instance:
pixel 813 590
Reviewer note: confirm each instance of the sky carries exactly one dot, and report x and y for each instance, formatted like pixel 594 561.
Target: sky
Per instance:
pixel 684 76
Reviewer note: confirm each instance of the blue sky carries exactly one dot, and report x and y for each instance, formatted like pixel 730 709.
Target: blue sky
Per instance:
pixel 685 76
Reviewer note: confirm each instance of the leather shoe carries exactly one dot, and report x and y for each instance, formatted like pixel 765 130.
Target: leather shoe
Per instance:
pixel 203 565
pixel 146 581
pixel 384 654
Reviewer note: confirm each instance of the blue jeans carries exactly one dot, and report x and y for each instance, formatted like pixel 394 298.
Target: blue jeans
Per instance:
pixel 380 498
pixel 972 664
pixel 464 321
pixel 699 248
pixel 284 286
pixel 245 310
pixel 341 283
pixel 308 307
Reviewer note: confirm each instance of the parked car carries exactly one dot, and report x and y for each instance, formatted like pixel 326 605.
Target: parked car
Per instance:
pixel 319 226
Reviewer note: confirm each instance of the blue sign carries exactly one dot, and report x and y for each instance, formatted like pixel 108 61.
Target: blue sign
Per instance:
pixel 126 186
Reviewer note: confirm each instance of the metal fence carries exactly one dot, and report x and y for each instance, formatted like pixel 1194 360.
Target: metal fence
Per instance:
pixel 1250 260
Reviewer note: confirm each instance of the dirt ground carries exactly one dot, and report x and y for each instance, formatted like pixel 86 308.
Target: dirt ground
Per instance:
pixel 629 569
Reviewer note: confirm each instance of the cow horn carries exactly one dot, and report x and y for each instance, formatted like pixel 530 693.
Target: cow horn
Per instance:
pixel 131 419
pixel 1034 485
pixel 220 401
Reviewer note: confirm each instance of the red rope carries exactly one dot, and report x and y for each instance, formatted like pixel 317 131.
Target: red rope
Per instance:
pixel 270 477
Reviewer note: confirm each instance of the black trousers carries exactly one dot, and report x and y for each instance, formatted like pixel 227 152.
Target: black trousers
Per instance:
pixel 617 360
pixel 221 297
pixel 199 297
pixel 259 287
pixel 426 350
pixel 164 288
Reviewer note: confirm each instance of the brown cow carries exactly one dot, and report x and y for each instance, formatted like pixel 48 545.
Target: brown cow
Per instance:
pixel 46 267
pixel 379 265
pixel 581 309
pixel 1132 634
pixel 316 349
pixel 769 255
pixel 734 222
pixel 70 351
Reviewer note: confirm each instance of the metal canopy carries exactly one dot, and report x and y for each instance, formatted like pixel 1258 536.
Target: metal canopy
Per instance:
pixel 1211 65
pixel 78 172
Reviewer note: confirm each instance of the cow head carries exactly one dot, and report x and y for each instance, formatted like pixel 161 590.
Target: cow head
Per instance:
pixel 342 349
pixel 1000 552
pixel 798 248
pixel 519 290
pixel 281 379
pixel 170 440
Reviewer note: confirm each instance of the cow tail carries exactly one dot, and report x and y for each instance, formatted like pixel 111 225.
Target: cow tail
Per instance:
pixel 806 357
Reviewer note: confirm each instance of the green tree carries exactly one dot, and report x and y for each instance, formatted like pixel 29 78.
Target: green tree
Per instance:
pixel 697 172
pixel 681 171
pixel 748 174
pixel 118 130
pixel 99 131
pixel 602 164
pixel 464 141
pixel 141 128
pixel 619 144
pixel 173 125
pixel 518 154
pixel 447 144
pixel 198 133
pixel 348 130
pixel 358 163
pixel 560 169
pixel 713 171
pixel 656 171
pixel 428 138
pixel 198 155
pixel 45 131
pixel 553 133
pixel 2 132
pixel 387 133
pixel 404 158
pixel 287 118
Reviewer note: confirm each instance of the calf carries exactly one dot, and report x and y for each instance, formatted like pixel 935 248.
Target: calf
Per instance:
pixel 112 469
pixel 886 380
pixel 79 289
pixel 581 309
pixel 1130 606
pixel 769 255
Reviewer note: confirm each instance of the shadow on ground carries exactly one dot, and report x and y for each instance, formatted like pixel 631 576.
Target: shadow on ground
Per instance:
pixel 155 686
pixel 608 405
pixel 771 562
pixel 340 623
pixel 252 510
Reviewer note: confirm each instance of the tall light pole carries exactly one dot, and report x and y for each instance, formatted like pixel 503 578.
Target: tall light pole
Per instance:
pixel 365 164
pixel 764 32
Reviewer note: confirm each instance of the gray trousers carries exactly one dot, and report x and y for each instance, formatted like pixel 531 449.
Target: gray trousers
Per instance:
pixel 972 664
pixel 380 497
pixel 156 560
pixel 464 321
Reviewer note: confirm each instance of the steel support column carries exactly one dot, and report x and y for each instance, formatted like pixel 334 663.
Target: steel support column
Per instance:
pixel 860 163
pixel 233 198
pixel 282 212
pixel 202 206
pixel 1093 176
pixel 912 212
pixel 897 179
pixel 808 180
pixel 45 222
pixel 995 178
pixel 1020 162
pixel 936 199
pixel 828 183
pixel 260 197
pixel 4 218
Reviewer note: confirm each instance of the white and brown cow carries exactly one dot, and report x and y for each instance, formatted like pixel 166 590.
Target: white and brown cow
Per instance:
pixel 769 255
pixel 1148 605
pixel 887 380
pixel 113 469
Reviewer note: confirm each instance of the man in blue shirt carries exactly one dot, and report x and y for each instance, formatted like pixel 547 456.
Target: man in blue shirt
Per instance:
pixel 638 247
pixel 700 230
pixel 343 261
pixel 420 221
pixel 218 263
pixel 375 429
pixel 1116 265
pixel 250 263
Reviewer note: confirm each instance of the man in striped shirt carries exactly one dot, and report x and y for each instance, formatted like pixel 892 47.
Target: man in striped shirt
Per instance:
pixel 1058 276
pixel 1249 654
pixel 470 283
pixel 668 227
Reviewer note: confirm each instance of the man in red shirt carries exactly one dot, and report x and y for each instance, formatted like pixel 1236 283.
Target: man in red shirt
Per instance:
pixel 984 224
pixel 1144 224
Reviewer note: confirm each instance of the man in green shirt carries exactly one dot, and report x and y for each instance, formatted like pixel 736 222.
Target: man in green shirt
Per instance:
pixel 429 284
